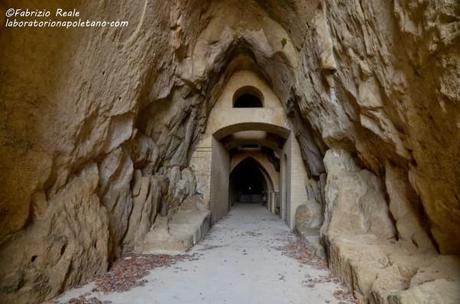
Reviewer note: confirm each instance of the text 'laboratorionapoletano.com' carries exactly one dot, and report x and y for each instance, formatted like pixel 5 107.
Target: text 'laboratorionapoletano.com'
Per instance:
pixel 56 18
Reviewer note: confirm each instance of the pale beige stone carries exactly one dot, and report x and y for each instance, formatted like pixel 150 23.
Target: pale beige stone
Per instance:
pixel 179 232
pixel 65 244
pixel 355 202
pixel 378 80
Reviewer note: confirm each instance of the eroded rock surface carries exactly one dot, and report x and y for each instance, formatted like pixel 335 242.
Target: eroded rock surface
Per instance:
pixel 64 245
pixel 97 127
pixel 363 247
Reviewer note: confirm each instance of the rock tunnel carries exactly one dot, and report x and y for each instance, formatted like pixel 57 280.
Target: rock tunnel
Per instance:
pixel 339 117
pixel 249 184
pixel 239 127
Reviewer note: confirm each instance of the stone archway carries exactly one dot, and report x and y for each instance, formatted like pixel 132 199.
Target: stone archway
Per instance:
pixel 263 133
pixel 248 183
pixel 234 144
pixel 269 172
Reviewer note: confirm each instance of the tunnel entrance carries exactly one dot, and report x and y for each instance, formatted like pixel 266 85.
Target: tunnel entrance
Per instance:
pixel 247 167
pixel 249 153
pixel 248 184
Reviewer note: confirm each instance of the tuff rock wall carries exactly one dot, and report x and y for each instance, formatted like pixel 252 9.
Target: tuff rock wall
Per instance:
pixel 97 127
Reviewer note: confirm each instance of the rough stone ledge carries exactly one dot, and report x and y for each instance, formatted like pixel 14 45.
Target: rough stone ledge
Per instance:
pixel 385 272
pixel 179 232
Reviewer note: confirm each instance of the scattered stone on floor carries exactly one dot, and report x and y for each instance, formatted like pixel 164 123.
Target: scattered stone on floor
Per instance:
pixel 86 300
pixel 300 250
pixel 270 265
pixel 128 272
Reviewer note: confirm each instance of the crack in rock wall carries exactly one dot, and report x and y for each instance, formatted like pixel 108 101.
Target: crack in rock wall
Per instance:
pixel 95 141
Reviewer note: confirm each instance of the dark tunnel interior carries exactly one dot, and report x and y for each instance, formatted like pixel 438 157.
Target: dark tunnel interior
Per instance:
pixel 247 183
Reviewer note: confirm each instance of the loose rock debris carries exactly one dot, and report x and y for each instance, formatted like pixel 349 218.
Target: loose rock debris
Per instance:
pixel 252 233
pixel 84 300
pixel 344 295
pixel 285 279
pixel 128 271
pixel 311 282
pixel 300 250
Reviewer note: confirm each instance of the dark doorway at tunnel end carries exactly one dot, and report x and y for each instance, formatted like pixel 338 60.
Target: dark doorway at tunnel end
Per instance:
pixel 247 184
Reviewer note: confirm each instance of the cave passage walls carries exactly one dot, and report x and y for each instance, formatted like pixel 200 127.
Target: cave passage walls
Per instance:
pixel 98 129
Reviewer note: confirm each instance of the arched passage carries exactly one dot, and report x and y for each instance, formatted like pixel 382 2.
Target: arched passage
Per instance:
pixel 263 133
pixel 249 183
pixel 252 152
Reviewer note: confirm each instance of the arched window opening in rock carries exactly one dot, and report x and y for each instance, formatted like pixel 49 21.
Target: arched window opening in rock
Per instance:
pixel 248 97
pixel 248 183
